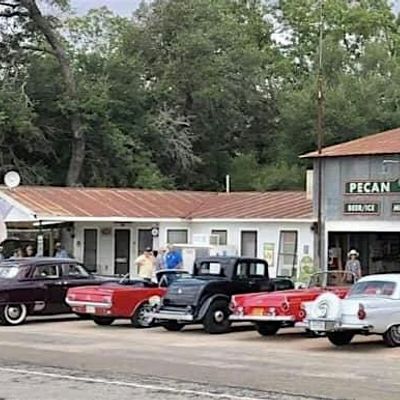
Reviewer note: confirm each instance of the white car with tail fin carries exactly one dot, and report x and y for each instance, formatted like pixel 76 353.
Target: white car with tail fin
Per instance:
pixel 371 307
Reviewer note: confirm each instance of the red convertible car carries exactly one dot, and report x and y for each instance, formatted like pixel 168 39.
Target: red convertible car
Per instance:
pixel 272 311
pixel 126 299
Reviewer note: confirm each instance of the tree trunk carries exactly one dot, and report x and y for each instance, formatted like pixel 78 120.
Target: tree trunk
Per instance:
pixel 55 42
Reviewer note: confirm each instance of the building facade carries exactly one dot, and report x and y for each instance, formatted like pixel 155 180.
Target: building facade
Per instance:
pixel 107 229
pixel 361 201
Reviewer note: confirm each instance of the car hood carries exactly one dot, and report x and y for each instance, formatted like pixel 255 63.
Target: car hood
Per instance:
pixel 290 296
pixel 185 291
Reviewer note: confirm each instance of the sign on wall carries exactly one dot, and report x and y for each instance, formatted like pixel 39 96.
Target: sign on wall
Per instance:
pixel 396 207
pixel 361 208
pixel 372 187
pixel 269 253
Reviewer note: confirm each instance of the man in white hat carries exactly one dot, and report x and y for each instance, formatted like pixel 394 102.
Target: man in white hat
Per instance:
pixel 353 264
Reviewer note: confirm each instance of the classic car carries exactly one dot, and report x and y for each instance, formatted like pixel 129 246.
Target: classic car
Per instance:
pixel 204 297
pixel 126 299
pixel 371 307
pixel 37 286
pixel 273 311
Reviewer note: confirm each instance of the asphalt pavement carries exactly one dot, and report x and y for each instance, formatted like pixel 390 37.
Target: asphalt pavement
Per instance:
pixel 73 359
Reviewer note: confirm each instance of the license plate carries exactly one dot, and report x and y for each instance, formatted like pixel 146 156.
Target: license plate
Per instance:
pixel 321 325
pixel 91 310
pixel 257 311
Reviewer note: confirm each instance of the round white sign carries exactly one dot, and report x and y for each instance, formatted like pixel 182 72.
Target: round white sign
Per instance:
pixel 12 179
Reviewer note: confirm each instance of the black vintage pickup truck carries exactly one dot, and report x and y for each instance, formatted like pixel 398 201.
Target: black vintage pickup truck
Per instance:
pixel 204 297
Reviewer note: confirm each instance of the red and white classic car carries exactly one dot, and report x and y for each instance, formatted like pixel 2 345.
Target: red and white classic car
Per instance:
pixel 126 299
pixel 274 310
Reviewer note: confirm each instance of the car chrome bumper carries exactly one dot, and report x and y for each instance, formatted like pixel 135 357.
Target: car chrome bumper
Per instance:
pixel 174 316
pixel 77 303
pixel 320 325
pixel 265 318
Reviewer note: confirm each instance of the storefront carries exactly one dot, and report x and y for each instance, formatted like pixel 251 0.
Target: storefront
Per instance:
pixel 361 201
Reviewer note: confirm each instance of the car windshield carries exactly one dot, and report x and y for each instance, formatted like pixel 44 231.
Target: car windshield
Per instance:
pixel 331 278
pixel 373 289
pixel 9 271
pixel 210 268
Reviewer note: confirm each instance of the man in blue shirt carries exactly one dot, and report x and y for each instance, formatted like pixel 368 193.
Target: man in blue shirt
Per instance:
pixel 173 258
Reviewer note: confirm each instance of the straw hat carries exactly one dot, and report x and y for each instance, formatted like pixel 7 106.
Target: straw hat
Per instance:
pixel 353 253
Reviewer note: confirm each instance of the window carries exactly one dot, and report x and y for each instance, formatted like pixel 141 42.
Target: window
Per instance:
pixel 46 271
pixel 210 268
pixel 90 249
pixel 177 236
pixel 287 253
pixel 74 271
pixel 242 270
pixel 257 270
pixel 373 288
pixel 222 236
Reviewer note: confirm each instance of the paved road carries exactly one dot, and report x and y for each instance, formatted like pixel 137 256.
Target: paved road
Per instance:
pixel 70 359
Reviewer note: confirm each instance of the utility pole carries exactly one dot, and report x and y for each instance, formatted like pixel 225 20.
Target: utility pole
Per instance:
pixel 320 136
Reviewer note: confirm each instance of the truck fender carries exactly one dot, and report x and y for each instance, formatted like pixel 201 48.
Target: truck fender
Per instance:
pixel 205 306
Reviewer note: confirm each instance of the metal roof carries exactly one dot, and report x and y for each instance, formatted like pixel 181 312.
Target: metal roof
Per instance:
pixel 76 203
pixel 387 142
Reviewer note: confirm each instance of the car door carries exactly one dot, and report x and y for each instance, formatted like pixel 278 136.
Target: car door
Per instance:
pixel 47 277
pixel 258 280
pixel 240 278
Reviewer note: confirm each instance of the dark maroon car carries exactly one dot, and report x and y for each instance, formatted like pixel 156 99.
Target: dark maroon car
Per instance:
pixel 38 286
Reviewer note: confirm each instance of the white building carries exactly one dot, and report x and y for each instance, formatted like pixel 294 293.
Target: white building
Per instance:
pixel 107 228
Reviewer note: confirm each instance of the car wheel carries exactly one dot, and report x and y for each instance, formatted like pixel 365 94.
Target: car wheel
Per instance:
pixel 340 338
pixel 14 314
pixel 392 336
pixel 268 328
pixel 216 319
pixel 103 321
pixel 139 318
pixel 172 326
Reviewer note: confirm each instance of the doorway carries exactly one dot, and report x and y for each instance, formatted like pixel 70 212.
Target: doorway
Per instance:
pixel 122 250
pixel 248 244
pixel 90 249
pixel 145 239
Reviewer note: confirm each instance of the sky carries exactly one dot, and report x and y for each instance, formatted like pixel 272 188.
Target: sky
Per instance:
pixel 122 7
pixel 126 7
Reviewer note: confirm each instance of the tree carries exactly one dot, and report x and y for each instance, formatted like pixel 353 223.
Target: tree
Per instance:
pixel 34 22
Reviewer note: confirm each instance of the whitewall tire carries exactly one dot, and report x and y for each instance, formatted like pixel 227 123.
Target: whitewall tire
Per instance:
pixel 14 314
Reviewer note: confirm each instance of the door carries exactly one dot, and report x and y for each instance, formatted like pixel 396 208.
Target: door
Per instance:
pixel 90 249
pixel 248 244
pixel 145 239
pixel 122 249
pixel 48 278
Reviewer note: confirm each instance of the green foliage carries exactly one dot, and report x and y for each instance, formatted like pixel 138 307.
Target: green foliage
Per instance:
pixel 188 91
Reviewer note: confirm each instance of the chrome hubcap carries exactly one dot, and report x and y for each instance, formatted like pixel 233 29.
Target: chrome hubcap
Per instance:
pixel 14 312
pixel 219 316
pixel 143 320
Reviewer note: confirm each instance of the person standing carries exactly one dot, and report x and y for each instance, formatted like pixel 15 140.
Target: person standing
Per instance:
pixel 145 264
pixel 173 258
pixel 160 262
pixel 353 264
pixel 29 251
pixel 60 251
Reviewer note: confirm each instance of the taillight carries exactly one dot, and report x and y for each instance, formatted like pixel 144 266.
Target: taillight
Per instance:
pixel 232 305
pixel 302 312
pixel 361 312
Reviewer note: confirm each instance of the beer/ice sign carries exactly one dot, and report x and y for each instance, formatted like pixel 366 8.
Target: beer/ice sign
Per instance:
pixel 361 208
